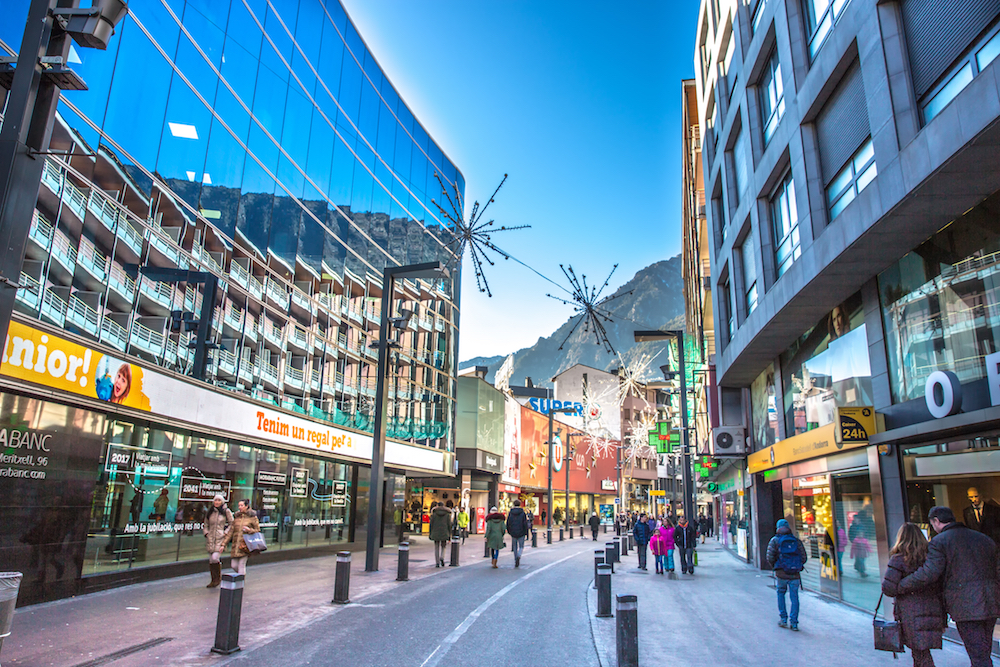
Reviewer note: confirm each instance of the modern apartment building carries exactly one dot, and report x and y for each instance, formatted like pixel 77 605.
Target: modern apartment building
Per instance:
pixel 851 171
pixel 260 143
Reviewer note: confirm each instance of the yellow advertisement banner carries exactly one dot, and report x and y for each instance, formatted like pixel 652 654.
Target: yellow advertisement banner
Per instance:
pixel 812 444
pixel 35 356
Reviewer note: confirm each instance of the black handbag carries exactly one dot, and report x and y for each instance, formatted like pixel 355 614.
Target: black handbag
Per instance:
pixel 888 634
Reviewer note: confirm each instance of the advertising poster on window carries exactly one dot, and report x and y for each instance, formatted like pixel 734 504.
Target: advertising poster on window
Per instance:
pixel 591 459
pixel 512 442
pixel 57 363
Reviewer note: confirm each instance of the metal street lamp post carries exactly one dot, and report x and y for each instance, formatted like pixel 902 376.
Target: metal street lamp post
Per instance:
pixel 548 518
pixel 644 336
pixel 428 270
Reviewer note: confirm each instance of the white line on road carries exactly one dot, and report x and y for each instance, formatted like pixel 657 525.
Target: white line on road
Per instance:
pixel 434 658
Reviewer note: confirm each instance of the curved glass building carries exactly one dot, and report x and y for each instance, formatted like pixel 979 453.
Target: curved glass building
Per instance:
pixel 261 142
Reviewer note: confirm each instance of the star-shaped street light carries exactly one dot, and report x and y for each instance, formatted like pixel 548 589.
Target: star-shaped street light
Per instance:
pixel 589 306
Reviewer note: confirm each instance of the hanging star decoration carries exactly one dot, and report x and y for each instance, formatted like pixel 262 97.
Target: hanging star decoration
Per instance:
pixel 472 236
pixel 630 377
pixel 590 307
pixel 598 447
pixel 637 441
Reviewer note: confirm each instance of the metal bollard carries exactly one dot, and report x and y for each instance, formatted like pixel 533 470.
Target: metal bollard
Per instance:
pixel 227 627
pixel 403 566
pixel 604 591
pixel 627 630
pixel 598 560
pixel 455 540
pixel 631 542
pixel 609 555
pixel 548 536
pixel 534 538
pixel 624 545
pixel 561 537
pixel 571 530
pixel 618 549
pixel 605 529
pixel 342 578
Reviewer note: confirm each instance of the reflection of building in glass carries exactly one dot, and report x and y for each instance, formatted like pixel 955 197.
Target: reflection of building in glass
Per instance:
pixel 260 142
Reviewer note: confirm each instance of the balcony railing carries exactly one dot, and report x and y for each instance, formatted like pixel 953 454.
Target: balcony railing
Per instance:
pixel 92 259
pixel 342 340
pixel 256 288
pixel 41 230
pixel 75 200
pixel 273 333
pixel 113 333
pixel 300 299
pixel 277 292
pixel 315 379
pixel 165 248
pixel 227 361
pixel 205 258
pixel 247 370
pixel 233 316
pixel 51 176
pixel 127 233
pixel 146 339
pixel 240 275
pixel 159 292
pixel 103 210
pixel 269 372
pixel 251 328
pixel 121 282
pixel 63 251
pixel 54 308
pixel 82 315
pixel 299 336
pixel 294 376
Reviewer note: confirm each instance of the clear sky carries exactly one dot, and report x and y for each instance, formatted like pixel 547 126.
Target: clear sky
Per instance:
pixel 580 103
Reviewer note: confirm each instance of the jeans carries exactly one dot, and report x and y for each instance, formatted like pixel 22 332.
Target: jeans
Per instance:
pixel 978 639
pixel 792 586
pixel 641 548
pixel 687 559
pixel 661 563
pixel 439 551
pixel 670 559
pixel 517 546
pixel 495 553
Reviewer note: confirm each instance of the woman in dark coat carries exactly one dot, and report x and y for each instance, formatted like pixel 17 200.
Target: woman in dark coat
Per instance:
pixel 920 614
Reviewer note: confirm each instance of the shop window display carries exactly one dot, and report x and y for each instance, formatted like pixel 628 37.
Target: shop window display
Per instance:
pixel 827 368
pixel 764 409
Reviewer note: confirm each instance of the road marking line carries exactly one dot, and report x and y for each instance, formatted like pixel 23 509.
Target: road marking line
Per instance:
pixel 434 658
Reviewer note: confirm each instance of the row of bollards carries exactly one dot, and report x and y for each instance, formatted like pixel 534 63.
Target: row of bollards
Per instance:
pixel 626 606
pixel 534 538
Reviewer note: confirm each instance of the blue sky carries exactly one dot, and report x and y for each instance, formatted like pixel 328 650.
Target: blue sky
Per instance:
pixel 580 103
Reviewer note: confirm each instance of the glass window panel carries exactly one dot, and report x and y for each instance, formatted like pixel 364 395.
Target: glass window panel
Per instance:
pixel 257 191
pixel 334 252
pixel 354 42
pixel 303 72
pixel 269 101
pixel 335 14
pixel 287 213
pixel 361 192
pixel 867 176
pixel 841 182
pixel 135 113
pixel 244 30
pixel 827 368
pixel 842 203
pixel 372 70
pixel 277 33
pixel 864 154
pixel 208 34
pixel 224 163
pixel 386 143
pixel 181 161
pixel 330 60
pixel 948 93
pixel 764 409
pixel 350 88
pixel 401 157
pixel 12 29
pixel 309 28
pixel 341 175
pixel 321 143
pixel 368 114
pixel 856 540
pixel 989 52
pixel 312 236
pixel 239 69
pixel 96 68
pixel 297 120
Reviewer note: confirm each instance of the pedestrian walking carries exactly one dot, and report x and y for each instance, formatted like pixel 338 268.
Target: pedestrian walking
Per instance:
pixel 658 545
pixel 463 523
pixel 494 533
pixel 711 525
pixel 861 533
pixel 685 540
pixel 618 524
pixel 440 528
pixel 518 529
pixel 217 520
pixel 787 557
pixel 244 522
pixel 920 614
pixel 964 561
pixel 703 527
pixel 642 532
pixel 595 524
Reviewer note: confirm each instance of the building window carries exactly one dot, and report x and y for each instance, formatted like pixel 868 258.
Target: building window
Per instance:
pixel 739 162
pixel 758 15
pixel 772 96
pixel 786 224
pixel 965 72
pixel 859 171
pixel 821 15
pixel 719 215
pixel 730 313
pixel 748 256
pixel 727 66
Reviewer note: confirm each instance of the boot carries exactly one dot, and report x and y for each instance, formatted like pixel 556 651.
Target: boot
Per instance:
pixel 494 563
pixel 517 562
pixel 216 570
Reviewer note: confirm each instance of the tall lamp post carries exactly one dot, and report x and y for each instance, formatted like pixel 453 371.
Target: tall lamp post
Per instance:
pixel 427 271
pixel 34 82
pixel 548 518
pixel 645 336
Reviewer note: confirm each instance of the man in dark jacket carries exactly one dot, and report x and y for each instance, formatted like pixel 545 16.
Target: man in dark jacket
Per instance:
pixel 440 528
pixel 642 532
pixel 787 556
pixel 965 561
pixel 595 523
pixel 982 515
pixel 685 540
pixel 518 528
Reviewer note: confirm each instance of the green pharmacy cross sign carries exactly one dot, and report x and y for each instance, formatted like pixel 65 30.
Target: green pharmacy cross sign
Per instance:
pixel 663 438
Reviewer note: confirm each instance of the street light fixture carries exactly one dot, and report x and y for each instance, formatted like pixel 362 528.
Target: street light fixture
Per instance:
pixel 552 411
pixel 678 335
pixel 427 271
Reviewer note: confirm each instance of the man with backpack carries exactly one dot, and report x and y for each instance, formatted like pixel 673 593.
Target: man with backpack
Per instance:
pixel 787 557
pixel 518 528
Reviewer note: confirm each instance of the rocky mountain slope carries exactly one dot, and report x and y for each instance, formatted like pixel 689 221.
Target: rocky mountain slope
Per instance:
pixel 656 302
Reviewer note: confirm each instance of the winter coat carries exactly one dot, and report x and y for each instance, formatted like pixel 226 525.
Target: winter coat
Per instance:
pixel 773 553
pixel 440 524
pixel 495 531
pixel 920 613
pixel 965 563
pixel 685 537
pixel 642 532
pixel 517 523
pixel 658 542
pixel 595 522
pixel 235 532
pixel 214 529
pixel 668 533
pixel 463 519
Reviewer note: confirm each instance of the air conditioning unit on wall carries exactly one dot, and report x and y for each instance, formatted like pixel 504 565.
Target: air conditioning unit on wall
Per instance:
pixel 729 441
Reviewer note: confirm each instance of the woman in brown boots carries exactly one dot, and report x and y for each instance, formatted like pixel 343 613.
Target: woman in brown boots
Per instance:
pixel 495 530
pixel 217 520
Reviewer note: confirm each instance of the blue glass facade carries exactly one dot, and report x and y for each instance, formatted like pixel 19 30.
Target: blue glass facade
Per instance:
pixel 259 140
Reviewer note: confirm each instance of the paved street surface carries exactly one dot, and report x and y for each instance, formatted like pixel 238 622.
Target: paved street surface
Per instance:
pixel 540 614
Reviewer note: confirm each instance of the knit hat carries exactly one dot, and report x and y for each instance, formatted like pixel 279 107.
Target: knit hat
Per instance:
pixel 783 523
pixel 493 509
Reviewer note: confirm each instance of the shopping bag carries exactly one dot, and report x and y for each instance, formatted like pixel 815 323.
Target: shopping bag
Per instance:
pixel 888 636
pixel 696 557
pixel 255 542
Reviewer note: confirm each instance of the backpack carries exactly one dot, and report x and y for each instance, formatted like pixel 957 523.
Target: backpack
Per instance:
pixel 789 559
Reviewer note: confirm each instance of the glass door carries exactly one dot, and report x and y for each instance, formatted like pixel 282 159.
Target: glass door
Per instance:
pixel 857 550
pixel 813 524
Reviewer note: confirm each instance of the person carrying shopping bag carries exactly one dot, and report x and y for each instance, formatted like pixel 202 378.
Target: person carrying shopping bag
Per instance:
pixel 217 520
pixel 244 523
